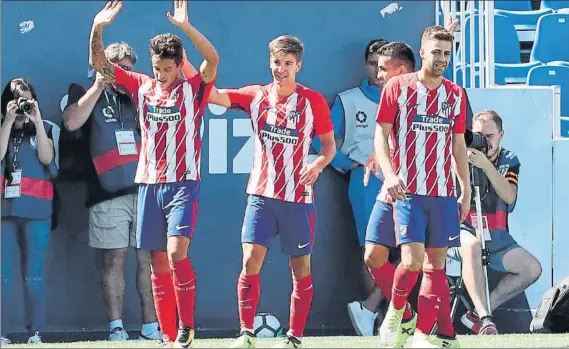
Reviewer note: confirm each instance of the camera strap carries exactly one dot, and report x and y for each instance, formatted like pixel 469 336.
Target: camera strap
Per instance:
pixel 13 188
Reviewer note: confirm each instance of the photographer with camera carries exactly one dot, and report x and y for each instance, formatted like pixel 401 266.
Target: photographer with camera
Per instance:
pixel 495 171
pixel 28 171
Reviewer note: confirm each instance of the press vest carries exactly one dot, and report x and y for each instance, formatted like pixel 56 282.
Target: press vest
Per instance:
pixel 495 210
pixel 114 113
pixel 359 114
pixel 36 190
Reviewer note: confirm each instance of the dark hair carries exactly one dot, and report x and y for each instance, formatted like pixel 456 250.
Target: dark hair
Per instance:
pixel 14 89
pixel 287 44
pixel 167 46
pixel 374 46
pixel 400 51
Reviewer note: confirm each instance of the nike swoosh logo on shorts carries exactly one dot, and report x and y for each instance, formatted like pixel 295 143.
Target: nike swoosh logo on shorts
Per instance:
pixel 303 246
pixel 452 238
pixel 180 227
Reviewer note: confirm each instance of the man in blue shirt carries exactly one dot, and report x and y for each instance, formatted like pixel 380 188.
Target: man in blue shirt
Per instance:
pixel 353 115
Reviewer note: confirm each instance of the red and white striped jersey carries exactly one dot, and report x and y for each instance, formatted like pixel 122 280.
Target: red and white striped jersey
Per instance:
pixel 283 129
pixel 170 125
pixel 424 122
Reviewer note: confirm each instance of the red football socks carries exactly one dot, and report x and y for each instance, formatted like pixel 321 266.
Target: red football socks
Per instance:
pixel 185 290
pixel 165 304
pixel 383 277
pixel 300 302
pixel 429 299
pixel 248 294
pixel 403 282
pixel 444 320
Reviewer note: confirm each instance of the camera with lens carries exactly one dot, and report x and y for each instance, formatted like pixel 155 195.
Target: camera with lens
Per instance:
pixel 24 106
pixel 476 140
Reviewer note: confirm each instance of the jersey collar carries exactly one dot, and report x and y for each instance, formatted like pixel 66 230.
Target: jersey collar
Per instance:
pixel 371 91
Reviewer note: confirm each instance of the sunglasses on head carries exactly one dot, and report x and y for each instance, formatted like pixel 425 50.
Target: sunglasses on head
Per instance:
pixel 126 67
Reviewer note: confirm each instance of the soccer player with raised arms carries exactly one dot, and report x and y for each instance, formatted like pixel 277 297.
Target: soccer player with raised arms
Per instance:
pixel 285 117
pixel 170 110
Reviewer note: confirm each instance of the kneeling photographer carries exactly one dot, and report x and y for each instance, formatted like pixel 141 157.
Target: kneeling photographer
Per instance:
pixel 27 190
pixel 495 171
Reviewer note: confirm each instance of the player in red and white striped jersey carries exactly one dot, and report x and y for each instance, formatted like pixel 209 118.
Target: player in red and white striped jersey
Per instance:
pixel 170 110
pixel 285 117
pixel 421 119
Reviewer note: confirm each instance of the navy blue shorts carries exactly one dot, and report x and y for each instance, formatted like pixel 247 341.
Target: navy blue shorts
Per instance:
pixel 266 218
pixel 430 220
pixel 380 228
pixel 164 210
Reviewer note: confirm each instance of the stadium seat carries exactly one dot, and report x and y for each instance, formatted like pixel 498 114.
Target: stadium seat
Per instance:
pixel 506 42
pixel 551 38
pixel 499 78
pixel 564 127
pixel 550 75
pixel 554 4
pixel 509 5
pixel 524 20
pixel 508 64
pixel 562 63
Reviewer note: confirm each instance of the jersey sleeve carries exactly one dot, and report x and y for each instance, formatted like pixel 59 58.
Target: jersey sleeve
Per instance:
pixel 388 106
pixel 130 80
pixel 321 111
pixel 242 98
pixel 460 112
pixel 512 174
pixel 203 89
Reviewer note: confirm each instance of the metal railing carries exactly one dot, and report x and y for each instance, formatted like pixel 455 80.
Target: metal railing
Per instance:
pixel 484 67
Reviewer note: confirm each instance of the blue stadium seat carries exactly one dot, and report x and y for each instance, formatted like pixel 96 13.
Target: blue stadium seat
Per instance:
pixel 499 79
pixel 550 75
pixel 564 127
pixel 506 42
pixel 509 5
pixel 554 4
pixel 562 63
pixel 551 38
pixel 524 20
pixel 507 58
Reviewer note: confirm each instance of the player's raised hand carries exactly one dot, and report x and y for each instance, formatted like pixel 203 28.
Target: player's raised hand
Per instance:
pixel 395 187
pixel 180 17
pixel 309 174
pixel 108 13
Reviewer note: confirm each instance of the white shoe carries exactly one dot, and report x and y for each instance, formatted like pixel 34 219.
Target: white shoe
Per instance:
pixel 245 340
pixel 363 320
pixel 118 334
pixel 5 341
pixel 35 339
pixel 391 327
pixel 152 336
pixel 421 340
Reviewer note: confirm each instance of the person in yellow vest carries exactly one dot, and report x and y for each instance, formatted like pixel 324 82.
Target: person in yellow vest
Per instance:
pixel 28 171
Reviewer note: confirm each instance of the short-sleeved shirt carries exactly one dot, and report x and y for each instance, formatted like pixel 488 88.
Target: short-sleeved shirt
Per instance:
pixel 424 123
pixel 170 124
pixel 283 129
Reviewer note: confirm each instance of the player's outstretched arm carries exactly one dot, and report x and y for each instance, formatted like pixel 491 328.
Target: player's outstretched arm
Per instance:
pixel 97 57
pixel 180 19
